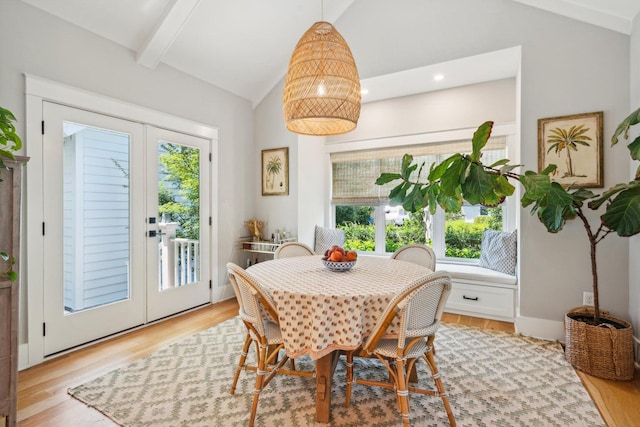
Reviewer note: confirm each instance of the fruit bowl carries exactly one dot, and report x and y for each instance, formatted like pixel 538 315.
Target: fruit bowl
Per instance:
pixel 338 266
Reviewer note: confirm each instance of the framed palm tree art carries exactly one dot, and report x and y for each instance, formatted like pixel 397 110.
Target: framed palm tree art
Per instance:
pixel 275 172
pixel 574 144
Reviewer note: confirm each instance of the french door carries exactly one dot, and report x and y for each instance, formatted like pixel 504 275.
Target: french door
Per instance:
pixel 177 222
pixel 104 246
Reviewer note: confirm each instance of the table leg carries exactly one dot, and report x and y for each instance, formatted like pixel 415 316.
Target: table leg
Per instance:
pixel 413 375
pixel 325 366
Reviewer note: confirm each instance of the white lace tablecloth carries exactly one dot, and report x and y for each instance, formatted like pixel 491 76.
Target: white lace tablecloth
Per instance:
pixel 320 310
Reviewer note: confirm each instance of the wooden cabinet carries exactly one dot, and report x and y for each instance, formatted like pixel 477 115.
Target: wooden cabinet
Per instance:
pixel 8 349
pixel 10 243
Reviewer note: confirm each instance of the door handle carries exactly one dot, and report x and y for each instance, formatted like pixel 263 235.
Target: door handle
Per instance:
pixel 152 233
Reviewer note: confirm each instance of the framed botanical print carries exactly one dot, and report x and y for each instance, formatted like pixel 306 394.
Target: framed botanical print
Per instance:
pixel 275 172
pixel 574 144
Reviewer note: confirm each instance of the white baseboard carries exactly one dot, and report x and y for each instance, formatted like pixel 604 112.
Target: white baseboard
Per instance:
pixel 223 292
pixel 23 356
pixel 545 329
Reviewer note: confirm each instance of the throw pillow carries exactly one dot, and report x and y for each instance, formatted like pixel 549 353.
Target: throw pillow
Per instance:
pixel 327 237
pixel 499 251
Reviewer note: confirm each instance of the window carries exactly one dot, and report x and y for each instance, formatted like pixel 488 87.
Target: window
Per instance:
pixel 371 224
pixel 461 236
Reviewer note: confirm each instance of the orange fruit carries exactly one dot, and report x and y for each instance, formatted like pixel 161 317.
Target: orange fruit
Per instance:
pixel 351 255
pixel 335 256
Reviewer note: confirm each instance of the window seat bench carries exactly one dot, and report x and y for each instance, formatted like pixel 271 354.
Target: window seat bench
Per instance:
pixel 481 292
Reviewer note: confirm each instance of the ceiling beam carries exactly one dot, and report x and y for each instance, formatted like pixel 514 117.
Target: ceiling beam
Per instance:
pixel 175 16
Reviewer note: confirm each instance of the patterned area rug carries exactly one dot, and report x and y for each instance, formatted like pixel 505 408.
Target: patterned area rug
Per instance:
pixel 493 379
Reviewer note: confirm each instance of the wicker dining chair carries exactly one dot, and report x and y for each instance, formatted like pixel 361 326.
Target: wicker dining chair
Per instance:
pixel 419 309
pixel 292 249
pixel 418 254
pixel 258 313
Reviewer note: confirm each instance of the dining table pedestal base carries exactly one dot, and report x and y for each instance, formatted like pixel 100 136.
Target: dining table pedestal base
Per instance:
pixel 325 367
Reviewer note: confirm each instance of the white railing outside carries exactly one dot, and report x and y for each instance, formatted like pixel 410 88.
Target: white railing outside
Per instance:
pixel 179 258
pixel 186 261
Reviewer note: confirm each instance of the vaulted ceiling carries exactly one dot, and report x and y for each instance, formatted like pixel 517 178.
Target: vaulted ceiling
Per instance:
pixel 243 46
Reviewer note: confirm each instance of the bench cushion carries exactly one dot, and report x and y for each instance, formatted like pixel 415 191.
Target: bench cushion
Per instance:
pixel 476 273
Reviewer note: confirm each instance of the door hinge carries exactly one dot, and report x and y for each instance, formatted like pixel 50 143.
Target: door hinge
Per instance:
pixel 210 284
pixel 43 228
pixel 210 221
pixel 210 157
pixel 42 127
pixel 44 329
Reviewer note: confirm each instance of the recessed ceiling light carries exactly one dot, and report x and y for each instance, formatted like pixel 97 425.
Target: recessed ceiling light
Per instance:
pixel 364 91
pixel 438 77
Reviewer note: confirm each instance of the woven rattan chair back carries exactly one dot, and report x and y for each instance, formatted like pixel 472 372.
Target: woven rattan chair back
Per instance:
pixel 256 305
pixel 418 254
pixel 414 314
pixel 292 249
pixel 417 308
pixel 258 313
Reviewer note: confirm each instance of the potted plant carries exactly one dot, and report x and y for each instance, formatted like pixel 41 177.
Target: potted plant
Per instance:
pixel 596 342
pixel 9 143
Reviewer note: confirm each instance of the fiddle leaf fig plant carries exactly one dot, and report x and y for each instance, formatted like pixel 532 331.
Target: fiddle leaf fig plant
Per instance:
pixel 9 143
pixel 9 270
pixel 464 177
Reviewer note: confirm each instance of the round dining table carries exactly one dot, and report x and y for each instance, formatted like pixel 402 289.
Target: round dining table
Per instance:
pixel 322 312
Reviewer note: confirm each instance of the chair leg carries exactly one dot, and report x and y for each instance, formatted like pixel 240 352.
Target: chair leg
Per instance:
pixel 241 362
pixel 260 373
pixel 402 391
pixel 349 364
pixel 431 361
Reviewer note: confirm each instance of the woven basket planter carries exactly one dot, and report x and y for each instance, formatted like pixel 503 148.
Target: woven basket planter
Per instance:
pixel 602 351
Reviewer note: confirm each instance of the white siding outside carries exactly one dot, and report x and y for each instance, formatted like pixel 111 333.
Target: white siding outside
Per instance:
pixel 96 220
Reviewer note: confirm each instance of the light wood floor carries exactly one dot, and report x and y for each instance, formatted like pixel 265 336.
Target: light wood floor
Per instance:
pixel 42 390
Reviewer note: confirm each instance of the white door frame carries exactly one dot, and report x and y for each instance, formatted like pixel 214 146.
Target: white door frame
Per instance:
pixel 38 90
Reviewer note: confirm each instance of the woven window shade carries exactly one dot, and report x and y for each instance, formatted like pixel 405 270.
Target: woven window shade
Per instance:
pixel 322 89
pixel 354 173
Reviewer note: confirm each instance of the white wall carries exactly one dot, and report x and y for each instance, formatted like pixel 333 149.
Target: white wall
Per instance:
pixel 634 242
pixel 37 43
pixel 270 132
pixel 568 68
pixel 455 108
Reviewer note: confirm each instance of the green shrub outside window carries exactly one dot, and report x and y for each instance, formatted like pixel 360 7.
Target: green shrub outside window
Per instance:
pixel 462 239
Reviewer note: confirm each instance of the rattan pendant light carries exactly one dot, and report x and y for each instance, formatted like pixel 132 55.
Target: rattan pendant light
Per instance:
pixel 322 89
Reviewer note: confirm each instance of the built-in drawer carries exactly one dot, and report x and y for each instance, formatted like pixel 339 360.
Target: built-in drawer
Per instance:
pixel 482 300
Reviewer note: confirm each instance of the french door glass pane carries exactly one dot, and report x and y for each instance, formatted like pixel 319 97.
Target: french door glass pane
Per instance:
pixel 179 213
pixel 96 217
